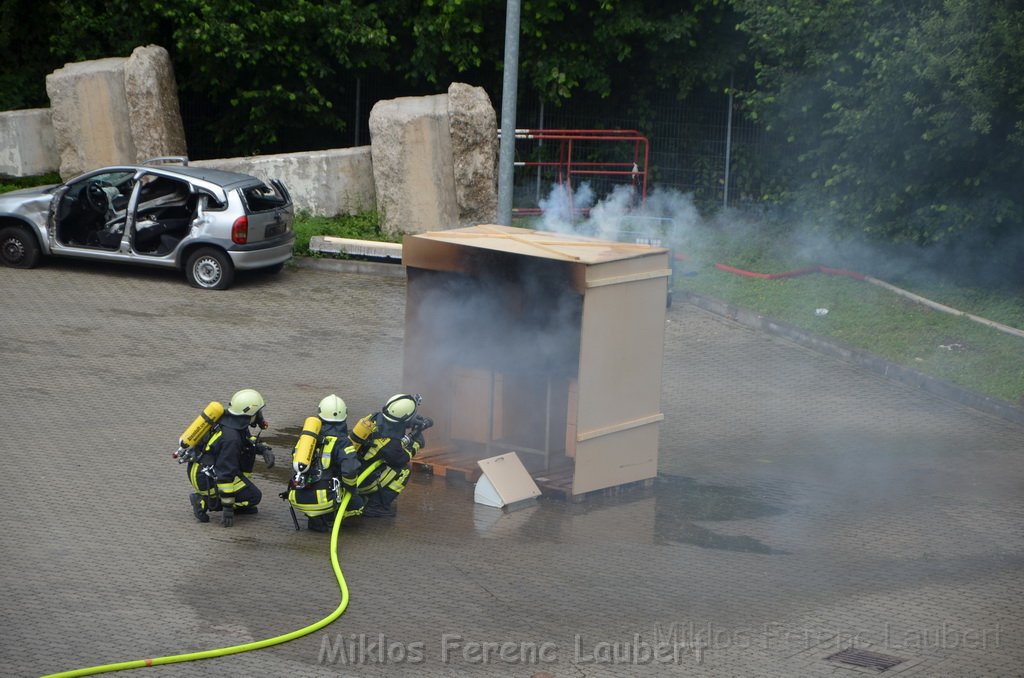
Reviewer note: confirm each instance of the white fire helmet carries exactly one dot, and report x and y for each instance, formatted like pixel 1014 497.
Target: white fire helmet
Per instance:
pixel 400 407
pixel 332 408
pixel 247 401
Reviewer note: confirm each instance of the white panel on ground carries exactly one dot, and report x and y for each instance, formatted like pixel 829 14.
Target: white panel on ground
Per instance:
pixel 486 494
pixel 504 481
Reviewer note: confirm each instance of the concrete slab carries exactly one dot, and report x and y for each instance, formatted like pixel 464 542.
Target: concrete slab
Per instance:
pixel 804 506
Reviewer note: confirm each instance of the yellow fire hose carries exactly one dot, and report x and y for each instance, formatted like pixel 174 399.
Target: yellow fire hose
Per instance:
pixel 257 644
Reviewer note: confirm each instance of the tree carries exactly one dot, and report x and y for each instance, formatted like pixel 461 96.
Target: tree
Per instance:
pixel 263 72
pixel 24 31
pixel 605 48
pixel 904 120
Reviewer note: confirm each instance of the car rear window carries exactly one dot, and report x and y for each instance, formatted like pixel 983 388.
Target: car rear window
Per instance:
pixel 262 197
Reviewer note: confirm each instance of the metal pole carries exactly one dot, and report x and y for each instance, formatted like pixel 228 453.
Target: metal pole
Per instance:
pixel 540 144
pixel 506 155
pixel 728 147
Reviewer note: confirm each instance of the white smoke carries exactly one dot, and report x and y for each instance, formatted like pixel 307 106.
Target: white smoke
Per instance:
pixel 667 217
pixel 560 209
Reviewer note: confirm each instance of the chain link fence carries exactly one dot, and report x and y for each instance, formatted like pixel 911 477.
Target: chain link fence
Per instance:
pixel 697 147
pixel 703 146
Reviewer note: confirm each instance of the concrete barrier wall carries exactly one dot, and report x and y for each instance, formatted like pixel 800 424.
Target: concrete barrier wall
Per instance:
pixel 27 144
pixel 430 164
pixel 323 183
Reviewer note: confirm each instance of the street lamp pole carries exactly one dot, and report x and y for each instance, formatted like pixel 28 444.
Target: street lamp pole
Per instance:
pixel 506 153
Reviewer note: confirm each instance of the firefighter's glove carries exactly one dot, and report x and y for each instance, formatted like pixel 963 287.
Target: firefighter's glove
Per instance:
pixel 227 511
pixel 268 456
pixel 421 423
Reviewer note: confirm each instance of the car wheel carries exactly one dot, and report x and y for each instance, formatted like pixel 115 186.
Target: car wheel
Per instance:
pixel 18 247
pixel 210 269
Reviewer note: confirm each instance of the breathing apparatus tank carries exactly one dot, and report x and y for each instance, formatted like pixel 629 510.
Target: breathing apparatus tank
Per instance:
pixel 302 454
pixel 202 424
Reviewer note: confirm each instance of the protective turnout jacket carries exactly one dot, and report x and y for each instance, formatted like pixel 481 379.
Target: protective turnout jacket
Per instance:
pixel 331 463
pixel 375 437
pixel 332 459
pixel 231 453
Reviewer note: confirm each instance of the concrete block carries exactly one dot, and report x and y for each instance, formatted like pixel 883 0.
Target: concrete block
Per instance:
pixel 116 110
pixel 154 115
pixel 474 132
pixel 323 183
pixel 90 115
pixel 27 144
pixel 412 164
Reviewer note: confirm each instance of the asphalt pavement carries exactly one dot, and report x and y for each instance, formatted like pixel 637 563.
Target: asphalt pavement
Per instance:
pixel 810 517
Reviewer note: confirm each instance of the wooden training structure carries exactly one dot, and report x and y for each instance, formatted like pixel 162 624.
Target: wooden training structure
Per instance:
pixel 545 344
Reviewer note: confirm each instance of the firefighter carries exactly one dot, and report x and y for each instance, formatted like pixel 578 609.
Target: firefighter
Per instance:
pixel 393 435
pixel 220 475
pixel 329 470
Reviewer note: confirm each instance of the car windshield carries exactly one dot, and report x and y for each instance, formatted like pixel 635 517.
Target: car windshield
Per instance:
pixel 120 179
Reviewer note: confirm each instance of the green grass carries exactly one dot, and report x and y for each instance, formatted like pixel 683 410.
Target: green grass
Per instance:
pixel 14 183
pixel 364 226
pixel 869 317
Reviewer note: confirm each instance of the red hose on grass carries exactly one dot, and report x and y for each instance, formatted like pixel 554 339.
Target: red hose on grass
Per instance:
pixel 792 274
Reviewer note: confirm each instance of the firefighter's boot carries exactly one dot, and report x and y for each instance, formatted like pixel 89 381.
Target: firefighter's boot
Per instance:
pixel 319 523
pixel 375 508
pixel 198 507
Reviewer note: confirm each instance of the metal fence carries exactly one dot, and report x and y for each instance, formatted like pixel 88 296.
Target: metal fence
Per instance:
pixel 697 147
pixel 702 146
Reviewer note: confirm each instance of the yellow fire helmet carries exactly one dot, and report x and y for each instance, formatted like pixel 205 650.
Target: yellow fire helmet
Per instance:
pixel 247 401
pixel 332 408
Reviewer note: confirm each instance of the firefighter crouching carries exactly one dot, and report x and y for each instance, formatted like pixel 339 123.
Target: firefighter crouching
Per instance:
pixel 324 471
pixel 221 460
pixel 393 435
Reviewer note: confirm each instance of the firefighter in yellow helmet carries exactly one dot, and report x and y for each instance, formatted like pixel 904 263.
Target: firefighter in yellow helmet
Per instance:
pixel 393 435
pixel 221 467
pixel 326 471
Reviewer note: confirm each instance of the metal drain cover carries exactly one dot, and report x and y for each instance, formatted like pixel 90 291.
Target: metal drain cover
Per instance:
pixel 866 659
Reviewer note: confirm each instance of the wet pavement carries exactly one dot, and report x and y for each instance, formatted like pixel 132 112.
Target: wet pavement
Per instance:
pixel 803 506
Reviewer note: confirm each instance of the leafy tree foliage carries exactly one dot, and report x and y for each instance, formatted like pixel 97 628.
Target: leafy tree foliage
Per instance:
pixel 269 76
pixel 24 39
pixel 904 120
pixel 261 72
pixel 568 48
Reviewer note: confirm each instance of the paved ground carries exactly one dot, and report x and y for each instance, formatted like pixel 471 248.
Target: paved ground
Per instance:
pixel 804 507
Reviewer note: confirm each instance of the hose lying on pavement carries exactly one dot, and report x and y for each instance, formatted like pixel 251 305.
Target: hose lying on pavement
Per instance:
pixel 257 644
pixel 875 281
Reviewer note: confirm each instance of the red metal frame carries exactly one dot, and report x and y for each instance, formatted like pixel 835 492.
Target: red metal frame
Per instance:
pixel 567 167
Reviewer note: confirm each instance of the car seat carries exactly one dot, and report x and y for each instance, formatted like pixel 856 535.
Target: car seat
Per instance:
pixel 110 237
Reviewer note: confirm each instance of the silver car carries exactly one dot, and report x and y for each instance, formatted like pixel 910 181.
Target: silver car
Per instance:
pixel 204 221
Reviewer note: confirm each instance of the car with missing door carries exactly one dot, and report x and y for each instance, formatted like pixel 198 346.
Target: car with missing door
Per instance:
pixel 164 213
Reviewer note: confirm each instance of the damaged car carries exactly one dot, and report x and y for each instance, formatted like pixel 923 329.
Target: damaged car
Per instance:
pixel 205 222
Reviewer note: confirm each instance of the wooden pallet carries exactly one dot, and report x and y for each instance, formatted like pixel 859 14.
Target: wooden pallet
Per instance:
pixel 447 464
